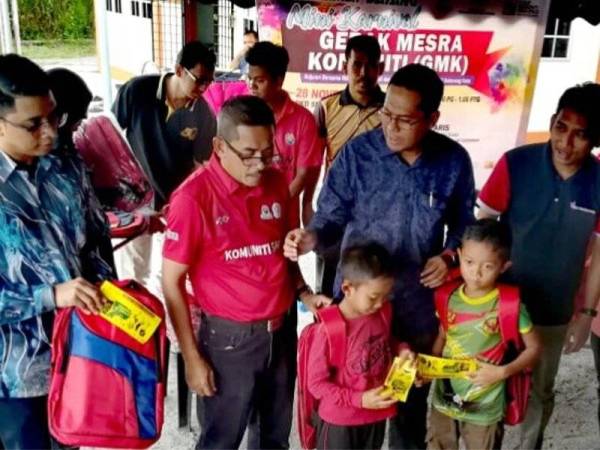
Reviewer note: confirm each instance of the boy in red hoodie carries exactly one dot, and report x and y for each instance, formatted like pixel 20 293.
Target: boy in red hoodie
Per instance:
pixel 352 410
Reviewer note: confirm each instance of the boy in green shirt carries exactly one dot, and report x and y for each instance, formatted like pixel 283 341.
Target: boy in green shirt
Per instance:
pixel 474 408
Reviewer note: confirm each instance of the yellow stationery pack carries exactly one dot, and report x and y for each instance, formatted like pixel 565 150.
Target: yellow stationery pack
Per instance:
pixel 127 314
pixel 435 367
pixel 400 379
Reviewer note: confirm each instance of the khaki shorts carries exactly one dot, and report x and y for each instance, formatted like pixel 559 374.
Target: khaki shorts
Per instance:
pixel 443 433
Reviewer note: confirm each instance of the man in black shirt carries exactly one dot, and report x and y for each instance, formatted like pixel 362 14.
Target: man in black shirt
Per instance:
pixel 170 128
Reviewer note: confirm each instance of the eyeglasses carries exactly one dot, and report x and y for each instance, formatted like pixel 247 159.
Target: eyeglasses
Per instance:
pixel 250 161
pixel 197 80
pixel 53 121
pixel 399 121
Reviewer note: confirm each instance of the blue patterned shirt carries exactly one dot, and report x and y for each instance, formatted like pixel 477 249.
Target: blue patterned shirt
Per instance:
pixel 51 226
pixel 370 194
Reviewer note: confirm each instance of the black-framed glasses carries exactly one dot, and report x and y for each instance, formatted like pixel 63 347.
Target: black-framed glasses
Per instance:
pixel 399 121
pixel 197 80
pixel 250 161
pixel 53 120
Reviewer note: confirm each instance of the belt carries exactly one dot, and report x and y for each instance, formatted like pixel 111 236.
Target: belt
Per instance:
pixel 270 325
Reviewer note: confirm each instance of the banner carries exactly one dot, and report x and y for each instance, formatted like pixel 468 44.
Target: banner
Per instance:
pixel 487 54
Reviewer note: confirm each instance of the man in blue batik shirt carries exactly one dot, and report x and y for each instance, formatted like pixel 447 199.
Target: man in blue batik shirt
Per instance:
pixel 405 187
pixel 50 228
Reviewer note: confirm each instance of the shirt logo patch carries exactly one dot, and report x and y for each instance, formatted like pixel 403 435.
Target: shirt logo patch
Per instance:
pixel 189 133
pixel 290 139
pixel 270 213
pixel 265 213
pixel 276 209
pixel 222 220
pixel 172 235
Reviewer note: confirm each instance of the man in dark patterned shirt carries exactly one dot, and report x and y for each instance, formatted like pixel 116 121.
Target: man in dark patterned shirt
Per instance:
pixel 50 228
pixel 406 187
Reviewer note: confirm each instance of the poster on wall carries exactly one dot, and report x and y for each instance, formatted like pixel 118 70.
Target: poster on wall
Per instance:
pixel 487 54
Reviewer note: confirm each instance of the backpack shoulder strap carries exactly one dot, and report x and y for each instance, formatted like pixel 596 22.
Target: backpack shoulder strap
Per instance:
pixel 508 315
pixel 442 297
pixel 335 328
pixel 386 314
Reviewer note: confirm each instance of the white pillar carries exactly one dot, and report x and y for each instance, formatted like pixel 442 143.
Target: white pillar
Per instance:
pixel 102 36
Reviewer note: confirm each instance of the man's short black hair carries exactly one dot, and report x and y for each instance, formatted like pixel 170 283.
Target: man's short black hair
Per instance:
pixel 271 57
pixel 20 77
pixel 584 99
pixel 252 32
pixel 423 80
pixel 246 110
pixel 493 232
pixel 72 95
pixel 369 45
pixel 361 263
pixel 194 53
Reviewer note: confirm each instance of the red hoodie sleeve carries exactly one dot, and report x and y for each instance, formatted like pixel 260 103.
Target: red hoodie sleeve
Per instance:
pixel 321 378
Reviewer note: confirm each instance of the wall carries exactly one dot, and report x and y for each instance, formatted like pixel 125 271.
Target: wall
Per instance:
pixel 129 41
pixel 556 75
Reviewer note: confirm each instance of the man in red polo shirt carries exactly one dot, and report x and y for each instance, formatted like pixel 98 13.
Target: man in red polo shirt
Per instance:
pixel 226 225
pixel 297 139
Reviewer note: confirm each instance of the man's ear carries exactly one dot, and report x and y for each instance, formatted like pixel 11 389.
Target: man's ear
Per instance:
pixel 179 70
pixel 433 119
pixel 280 81
pixel 218 145
pixel 507 265
pixel 552 119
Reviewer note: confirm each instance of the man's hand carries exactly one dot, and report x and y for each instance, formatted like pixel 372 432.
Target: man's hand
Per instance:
pixel 578 333
pixel 434 273
pixel 373 399
pixel 79 293
pixel 487 374
pixel 299 242
pixel 200 377
pixel 315 301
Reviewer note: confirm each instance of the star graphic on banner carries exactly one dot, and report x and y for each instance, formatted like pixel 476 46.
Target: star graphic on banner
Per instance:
pixel 482 80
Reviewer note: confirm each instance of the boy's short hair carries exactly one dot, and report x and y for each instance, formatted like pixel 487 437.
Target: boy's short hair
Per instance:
pixel 271 57
pixel 366 262
pixel 493 232
pixel 194 53
pixel 424 81
pixel 243 110
pixel 363 43
pixel 20 77
pixel 584 100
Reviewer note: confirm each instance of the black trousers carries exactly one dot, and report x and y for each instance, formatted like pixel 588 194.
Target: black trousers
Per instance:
pixel 24 423
pixel 331 436
pixel 255 371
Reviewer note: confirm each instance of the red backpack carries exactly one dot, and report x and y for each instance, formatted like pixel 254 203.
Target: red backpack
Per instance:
pixel 335 329
pixel 107 389
pixel 518 386
pixel 118 179
pixel 307 405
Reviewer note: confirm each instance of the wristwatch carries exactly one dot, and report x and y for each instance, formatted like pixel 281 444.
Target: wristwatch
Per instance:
pixel 588 312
